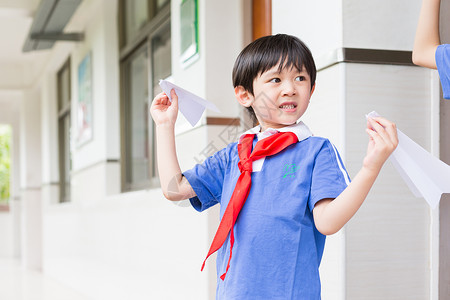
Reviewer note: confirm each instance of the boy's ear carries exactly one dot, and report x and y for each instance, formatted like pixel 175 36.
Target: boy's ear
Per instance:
pixel 244 97
pixel 312 89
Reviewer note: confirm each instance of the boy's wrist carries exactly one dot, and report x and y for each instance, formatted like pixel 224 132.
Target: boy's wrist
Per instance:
pixel 370 171
pixel 164 126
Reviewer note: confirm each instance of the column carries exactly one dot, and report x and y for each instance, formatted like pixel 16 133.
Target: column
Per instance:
pixel 30 164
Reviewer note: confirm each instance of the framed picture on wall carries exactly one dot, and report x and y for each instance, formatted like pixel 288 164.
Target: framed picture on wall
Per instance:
pixel 189 31
pixel 84 104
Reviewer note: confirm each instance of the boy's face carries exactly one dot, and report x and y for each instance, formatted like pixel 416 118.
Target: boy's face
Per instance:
pixel 280 98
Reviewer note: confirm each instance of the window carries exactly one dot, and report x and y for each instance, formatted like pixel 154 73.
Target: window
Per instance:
pixel 65 161
pixel 136 16
pixel 136 116
pixel 145 58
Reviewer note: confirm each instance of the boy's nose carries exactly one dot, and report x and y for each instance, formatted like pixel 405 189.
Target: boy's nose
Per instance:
pixel 288 89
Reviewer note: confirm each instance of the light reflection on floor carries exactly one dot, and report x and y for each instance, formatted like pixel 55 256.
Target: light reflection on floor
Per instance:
pixel 17 283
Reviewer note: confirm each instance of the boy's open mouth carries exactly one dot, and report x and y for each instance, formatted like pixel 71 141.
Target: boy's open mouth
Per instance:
pixel 288 106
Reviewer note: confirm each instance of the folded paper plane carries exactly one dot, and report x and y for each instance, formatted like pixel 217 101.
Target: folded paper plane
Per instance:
pixel 425 175
pixel 189 104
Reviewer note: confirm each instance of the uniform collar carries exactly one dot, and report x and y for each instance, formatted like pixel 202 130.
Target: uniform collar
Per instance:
pixel 299 129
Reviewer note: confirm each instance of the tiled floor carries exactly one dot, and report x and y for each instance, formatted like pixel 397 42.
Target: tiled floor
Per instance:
pixel 16 283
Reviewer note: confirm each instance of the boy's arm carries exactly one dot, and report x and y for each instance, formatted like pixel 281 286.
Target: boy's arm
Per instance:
pixel 427 35
pixel 173 184
pixel 331 215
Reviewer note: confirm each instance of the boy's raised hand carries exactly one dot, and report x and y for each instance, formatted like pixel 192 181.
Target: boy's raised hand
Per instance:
pixel 383 141
pixel 163 111
pixel 331 215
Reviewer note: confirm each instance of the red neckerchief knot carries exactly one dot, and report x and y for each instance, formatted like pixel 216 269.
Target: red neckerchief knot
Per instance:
pixel 245 165
pixel 265 147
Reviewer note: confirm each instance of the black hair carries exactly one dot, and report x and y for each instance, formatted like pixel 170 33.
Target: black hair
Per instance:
pixel 265 53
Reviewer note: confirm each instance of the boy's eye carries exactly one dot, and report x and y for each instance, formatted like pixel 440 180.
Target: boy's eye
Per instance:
pixel 275 80
pixel 300 78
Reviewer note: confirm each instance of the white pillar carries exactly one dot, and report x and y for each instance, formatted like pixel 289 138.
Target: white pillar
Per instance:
pixel 30 154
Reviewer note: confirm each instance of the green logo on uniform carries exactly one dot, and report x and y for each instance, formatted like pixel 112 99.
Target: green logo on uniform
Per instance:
pixel 289 170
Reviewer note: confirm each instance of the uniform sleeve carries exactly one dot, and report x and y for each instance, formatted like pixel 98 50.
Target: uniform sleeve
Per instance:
pixel 443 66
pixel 206 180
pixel 329 177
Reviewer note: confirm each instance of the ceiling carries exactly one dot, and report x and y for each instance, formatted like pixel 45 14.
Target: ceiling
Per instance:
pixel 18 70
pixel 16 17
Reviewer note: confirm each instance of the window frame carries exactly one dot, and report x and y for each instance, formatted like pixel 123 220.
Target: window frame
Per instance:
pixel 63 113
pixel 155 26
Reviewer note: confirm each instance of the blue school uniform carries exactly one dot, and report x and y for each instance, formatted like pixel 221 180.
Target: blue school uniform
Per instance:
pixel 277 249
pixel 443 66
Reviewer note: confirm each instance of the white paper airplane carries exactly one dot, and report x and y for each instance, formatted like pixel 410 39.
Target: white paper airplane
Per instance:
pixel 425 175
pixel 189 104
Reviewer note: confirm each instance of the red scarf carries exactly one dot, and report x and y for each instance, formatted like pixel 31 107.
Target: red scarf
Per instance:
pixel 265 147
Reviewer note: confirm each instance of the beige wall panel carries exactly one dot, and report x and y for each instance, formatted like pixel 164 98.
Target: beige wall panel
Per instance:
pixel 325 117
pixel 388 239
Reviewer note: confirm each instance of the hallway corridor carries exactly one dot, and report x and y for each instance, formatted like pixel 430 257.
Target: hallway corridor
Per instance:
pixel 16 283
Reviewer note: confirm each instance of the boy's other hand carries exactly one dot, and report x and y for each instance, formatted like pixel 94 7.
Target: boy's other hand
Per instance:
pixel 383 141
pixel 163 111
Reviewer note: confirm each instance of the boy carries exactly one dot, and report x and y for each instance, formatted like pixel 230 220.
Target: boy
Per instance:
pixel 428 51
pixel 271 247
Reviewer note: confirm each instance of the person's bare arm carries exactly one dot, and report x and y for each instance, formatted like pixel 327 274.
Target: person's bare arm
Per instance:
pixel 331 215
pixel 427 35
pixel 173 184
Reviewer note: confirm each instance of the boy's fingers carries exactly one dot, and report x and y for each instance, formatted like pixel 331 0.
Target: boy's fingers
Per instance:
pixel 173 94
pixel 390 128
pixel 159 98
pixel 379 129
pixel 174 97
pixel 161 95
pixel 384 136
pixel 374 136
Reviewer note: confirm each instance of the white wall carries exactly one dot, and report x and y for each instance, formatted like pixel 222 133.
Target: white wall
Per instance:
pixel 381 24
pixel 105 80
pixel 134 246
pixel 327 25
pixel 317 23
pixel 222 46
